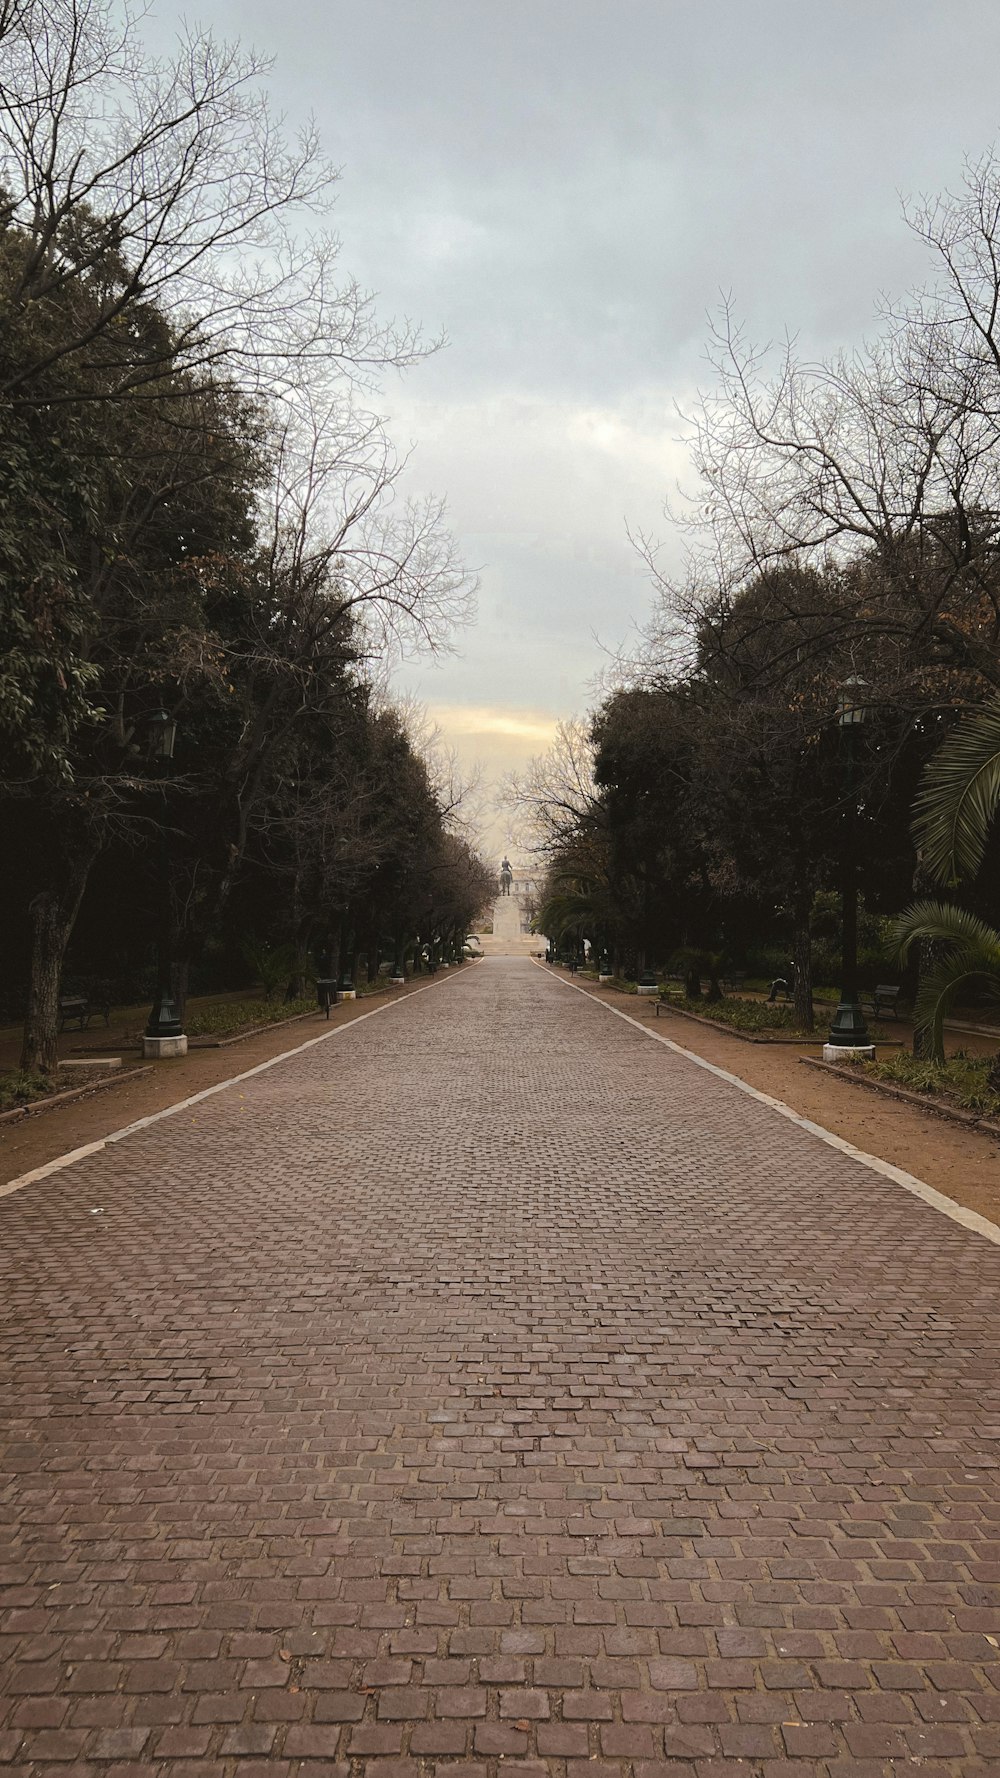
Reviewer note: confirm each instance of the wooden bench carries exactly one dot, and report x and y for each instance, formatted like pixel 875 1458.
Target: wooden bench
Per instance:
pixel 74 1006
pixel 82 1004
pixel 733 980
pixel 883 1001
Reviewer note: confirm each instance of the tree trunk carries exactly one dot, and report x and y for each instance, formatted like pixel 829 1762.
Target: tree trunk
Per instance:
pixel 802 958
pixel 53 915
pixel 300 966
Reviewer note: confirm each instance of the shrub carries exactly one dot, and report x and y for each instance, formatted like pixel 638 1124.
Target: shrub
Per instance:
pixel 239 1015
pixel 21 1089
pixel 741 1015
pixel 963 1080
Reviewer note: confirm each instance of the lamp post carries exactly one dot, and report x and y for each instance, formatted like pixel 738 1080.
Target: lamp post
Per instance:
pixel 164 1034
pixel 346 989
pixel 398 976
pixel 849 1032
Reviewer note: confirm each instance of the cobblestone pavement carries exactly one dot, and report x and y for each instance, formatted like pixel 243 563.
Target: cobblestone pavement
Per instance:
pixel 491 1391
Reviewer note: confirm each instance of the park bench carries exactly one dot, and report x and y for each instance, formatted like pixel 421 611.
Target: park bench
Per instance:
pixel 883 1001
pixel 80 1004
pixel 733 980
pixel 73 1006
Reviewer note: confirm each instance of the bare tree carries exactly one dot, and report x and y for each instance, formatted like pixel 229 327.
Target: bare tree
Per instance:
pixel 179 170
pixel 879 466
pixel 457 788
pixel 555 796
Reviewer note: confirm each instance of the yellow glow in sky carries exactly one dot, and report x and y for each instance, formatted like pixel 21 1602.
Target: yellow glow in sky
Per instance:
pixel 471 721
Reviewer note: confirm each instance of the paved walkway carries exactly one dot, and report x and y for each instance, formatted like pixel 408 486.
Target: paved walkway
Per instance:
pixel 491 1388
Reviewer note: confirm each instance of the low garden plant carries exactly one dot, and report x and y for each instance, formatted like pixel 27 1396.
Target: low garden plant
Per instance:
pixel 971 1082
pixel 739 1015
pixel 232 1016
pixel 22 1089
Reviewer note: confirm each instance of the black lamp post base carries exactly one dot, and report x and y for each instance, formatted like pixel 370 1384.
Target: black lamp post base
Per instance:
pixel 164 1030
pixel 849 1035
pixel 164 1034
pixel 848 1028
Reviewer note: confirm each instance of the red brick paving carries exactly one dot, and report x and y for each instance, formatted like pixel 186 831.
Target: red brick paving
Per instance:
pixel 490 1391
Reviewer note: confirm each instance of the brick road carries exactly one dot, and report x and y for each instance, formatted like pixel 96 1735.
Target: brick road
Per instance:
pixel 490 1391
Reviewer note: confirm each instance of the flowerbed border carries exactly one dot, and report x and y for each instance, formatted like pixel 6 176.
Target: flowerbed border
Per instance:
pixel 936 1107
pixel 115 1078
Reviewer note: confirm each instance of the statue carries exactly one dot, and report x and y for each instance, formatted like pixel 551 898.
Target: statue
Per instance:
pixel 506 875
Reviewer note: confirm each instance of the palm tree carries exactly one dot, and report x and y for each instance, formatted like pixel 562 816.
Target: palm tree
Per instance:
pixel 960 796
pixel 958 802
pixel 970 953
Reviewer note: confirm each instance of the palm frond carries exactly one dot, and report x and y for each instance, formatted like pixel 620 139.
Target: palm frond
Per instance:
pixel 945 924
pixel 564 913
pixel 941 983
pixel 959 796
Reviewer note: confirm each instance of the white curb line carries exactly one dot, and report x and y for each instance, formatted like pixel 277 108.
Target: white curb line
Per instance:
pixel 143 1123
pixel 969 1219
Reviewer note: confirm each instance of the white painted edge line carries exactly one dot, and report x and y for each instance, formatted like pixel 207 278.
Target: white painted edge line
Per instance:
pixel 969 1219
pixel 142 1123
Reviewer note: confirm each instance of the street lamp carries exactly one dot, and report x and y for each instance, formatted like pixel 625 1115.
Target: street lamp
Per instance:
pixel 161 733
pixel 849 1032
pixel 164 1034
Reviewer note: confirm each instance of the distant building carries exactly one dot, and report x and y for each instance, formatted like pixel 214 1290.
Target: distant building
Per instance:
pixel 524 881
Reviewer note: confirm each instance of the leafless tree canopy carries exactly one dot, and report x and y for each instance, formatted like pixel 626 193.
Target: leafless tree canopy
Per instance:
pixel 179 170
pixel 878 468
pixel 555 795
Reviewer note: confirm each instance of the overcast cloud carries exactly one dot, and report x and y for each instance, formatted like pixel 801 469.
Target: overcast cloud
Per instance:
pixel 564 187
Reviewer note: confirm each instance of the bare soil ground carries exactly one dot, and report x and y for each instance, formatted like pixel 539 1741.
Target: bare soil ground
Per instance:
pixel 961 1163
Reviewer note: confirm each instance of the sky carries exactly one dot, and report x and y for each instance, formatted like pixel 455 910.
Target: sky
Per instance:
pixel 565 188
